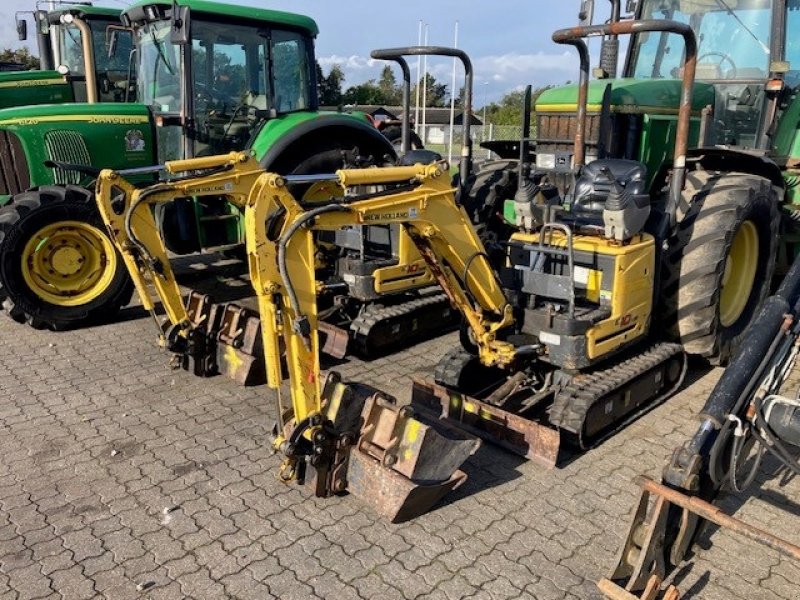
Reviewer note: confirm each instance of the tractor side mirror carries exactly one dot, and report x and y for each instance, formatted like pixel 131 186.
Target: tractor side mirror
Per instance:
pixel 181 25
pixel 586 13
pixel 22 29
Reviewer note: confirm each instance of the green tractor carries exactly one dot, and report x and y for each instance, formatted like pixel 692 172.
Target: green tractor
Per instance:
pixel 75 65
pixel 733 216
pixel 210 78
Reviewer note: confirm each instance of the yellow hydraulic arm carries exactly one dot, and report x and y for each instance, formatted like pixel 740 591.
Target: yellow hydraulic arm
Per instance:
pixel 281 258
pixel 127 212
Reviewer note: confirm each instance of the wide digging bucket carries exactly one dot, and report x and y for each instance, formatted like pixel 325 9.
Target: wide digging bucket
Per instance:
pixel 405 460
pixel 517 434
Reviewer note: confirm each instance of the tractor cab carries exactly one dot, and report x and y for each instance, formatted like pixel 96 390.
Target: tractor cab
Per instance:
pixel 87 48
pixel 745 49
pixel 242 70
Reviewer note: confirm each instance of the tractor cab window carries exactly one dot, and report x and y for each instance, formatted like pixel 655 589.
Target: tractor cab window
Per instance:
pixel 70 49
pixel 241 74
pixel 733 39
pixel 229 65
pixel 112 71
pixel 291 71
pixel 159 75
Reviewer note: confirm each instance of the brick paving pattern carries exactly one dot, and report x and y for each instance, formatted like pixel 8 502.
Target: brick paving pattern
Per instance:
pixel 120 478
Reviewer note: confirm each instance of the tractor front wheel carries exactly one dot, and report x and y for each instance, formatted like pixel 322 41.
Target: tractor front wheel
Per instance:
pixel 719 264
pixel 58 267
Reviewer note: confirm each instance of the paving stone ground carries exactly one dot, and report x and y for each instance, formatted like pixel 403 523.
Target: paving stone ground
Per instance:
pixel 120 478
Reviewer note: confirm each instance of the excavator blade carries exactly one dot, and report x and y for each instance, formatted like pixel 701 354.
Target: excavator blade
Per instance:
pixel 517 434
pixel 404 460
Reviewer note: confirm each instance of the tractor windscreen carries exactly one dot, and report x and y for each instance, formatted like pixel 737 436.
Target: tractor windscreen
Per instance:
pixel 111 71
pixel 240 74
pixel 733 38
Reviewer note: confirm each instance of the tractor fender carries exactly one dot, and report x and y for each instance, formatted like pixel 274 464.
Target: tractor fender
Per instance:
pixel 332 132
pixel 726 160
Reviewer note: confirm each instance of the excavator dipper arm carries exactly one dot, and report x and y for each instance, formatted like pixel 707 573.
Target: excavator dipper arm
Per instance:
pixel 338 436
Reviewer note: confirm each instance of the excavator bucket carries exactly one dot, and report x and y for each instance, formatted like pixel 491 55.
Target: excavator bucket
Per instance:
pixel 519 435
pixel 404 460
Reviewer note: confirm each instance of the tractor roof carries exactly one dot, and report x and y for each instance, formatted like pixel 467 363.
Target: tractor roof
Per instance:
pixel 85 10
pixel 234 11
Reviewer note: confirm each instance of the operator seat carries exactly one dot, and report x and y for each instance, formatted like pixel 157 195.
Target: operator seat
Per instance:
pixel 612 192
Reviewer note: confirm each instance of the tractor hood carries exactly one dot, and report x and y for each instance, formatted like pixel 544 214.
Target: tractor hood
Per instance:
pixel 33 87
pixel 631 96
pixel 105 135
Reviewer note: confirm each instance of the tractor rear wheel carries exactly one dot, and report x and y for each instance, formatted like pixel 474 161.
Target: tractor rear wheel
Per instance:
pixel 718 267
pixel 484 198
pixel 58 267
pixel 394 134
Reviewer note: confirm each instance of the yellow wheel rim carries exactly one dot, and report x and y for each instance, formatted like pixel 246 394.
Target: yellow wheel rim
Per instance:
pixel 68 263
pixel 740 274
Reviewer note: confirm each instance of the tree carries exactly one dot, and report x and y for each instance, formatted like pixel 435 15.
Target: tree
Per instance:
pixel 509 110
pixel 368 92
pixel 391 92
pixel 330 87
pixel 21 56
pixel 436 93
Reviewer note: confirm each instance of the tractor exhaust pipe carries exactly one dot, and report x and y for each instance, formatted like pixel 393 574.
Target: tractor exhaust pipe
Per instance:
pixel 574 37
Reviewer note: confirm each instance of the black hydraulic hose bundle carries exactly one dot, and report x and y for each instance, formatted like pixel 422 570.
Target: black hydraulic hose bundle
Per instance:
pixel 769 343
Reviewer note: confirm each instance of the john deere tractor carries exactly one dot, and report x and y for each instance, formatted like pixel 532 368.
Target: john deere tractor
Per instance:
pixel 75 65
pixel 733 218
pixel 210 77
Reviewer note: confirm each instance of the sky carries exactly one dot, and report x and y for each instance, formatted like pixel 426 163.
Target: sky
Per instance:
pixel 508 41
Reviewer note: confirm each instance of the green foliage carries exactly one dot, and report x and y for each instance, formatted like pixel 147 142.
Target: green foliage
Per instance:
pixel 384 91
pixel 436 93
pixel 509 110
pixel 330 87
pixel 21 56
pixel 391 92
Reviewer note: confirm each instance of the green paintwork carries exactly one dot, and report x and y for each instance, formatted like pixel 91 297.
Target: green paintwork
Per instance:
pixel 20 88
pixel 103 128
pixel 274 129
pixel 241 12
pixel 629 95
pixel 87 11
pixel 657 142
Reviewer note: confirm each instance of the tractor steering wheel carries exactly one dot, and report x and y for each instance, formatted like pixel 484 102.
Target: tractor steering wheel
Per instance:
pixel 722 58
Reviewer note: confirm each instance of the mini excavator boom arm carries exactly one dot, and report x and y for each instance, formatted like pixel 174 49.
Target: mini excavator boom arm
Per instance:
pixel 416 452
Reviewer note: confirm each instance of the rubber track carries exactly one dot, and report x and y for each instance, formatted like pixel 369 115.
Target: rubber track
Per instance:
pixel 584 391
pixel 448 370
pixel 363 326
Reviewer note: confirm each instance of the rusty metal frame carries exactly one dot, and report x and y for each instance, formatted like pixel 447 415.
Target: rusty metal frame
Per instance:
pixel 574 36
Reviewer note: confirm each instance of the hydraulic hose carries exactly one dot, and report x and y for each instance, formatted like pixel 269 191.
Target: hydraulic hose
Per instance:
pixel 301 324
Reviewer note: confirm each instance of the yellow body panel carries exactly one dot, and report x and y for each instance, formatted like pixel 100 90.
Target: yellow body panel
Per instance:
pixel 630 295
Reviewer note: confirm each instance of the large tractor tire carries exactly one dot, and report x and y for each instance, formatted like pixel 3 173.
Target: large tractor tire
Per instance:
pixel 394 134
pixel 718 266
pixel 487 190
pixel 58 267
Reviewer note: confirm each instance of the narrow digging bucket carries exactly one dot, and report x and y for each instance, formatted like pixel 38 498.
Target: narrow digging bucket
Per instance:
pixel 517 434
pixel 406 460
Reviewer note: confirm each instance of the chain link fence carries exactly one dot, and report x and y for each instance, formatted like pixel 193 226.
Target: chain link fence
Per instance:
pixel 437 138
